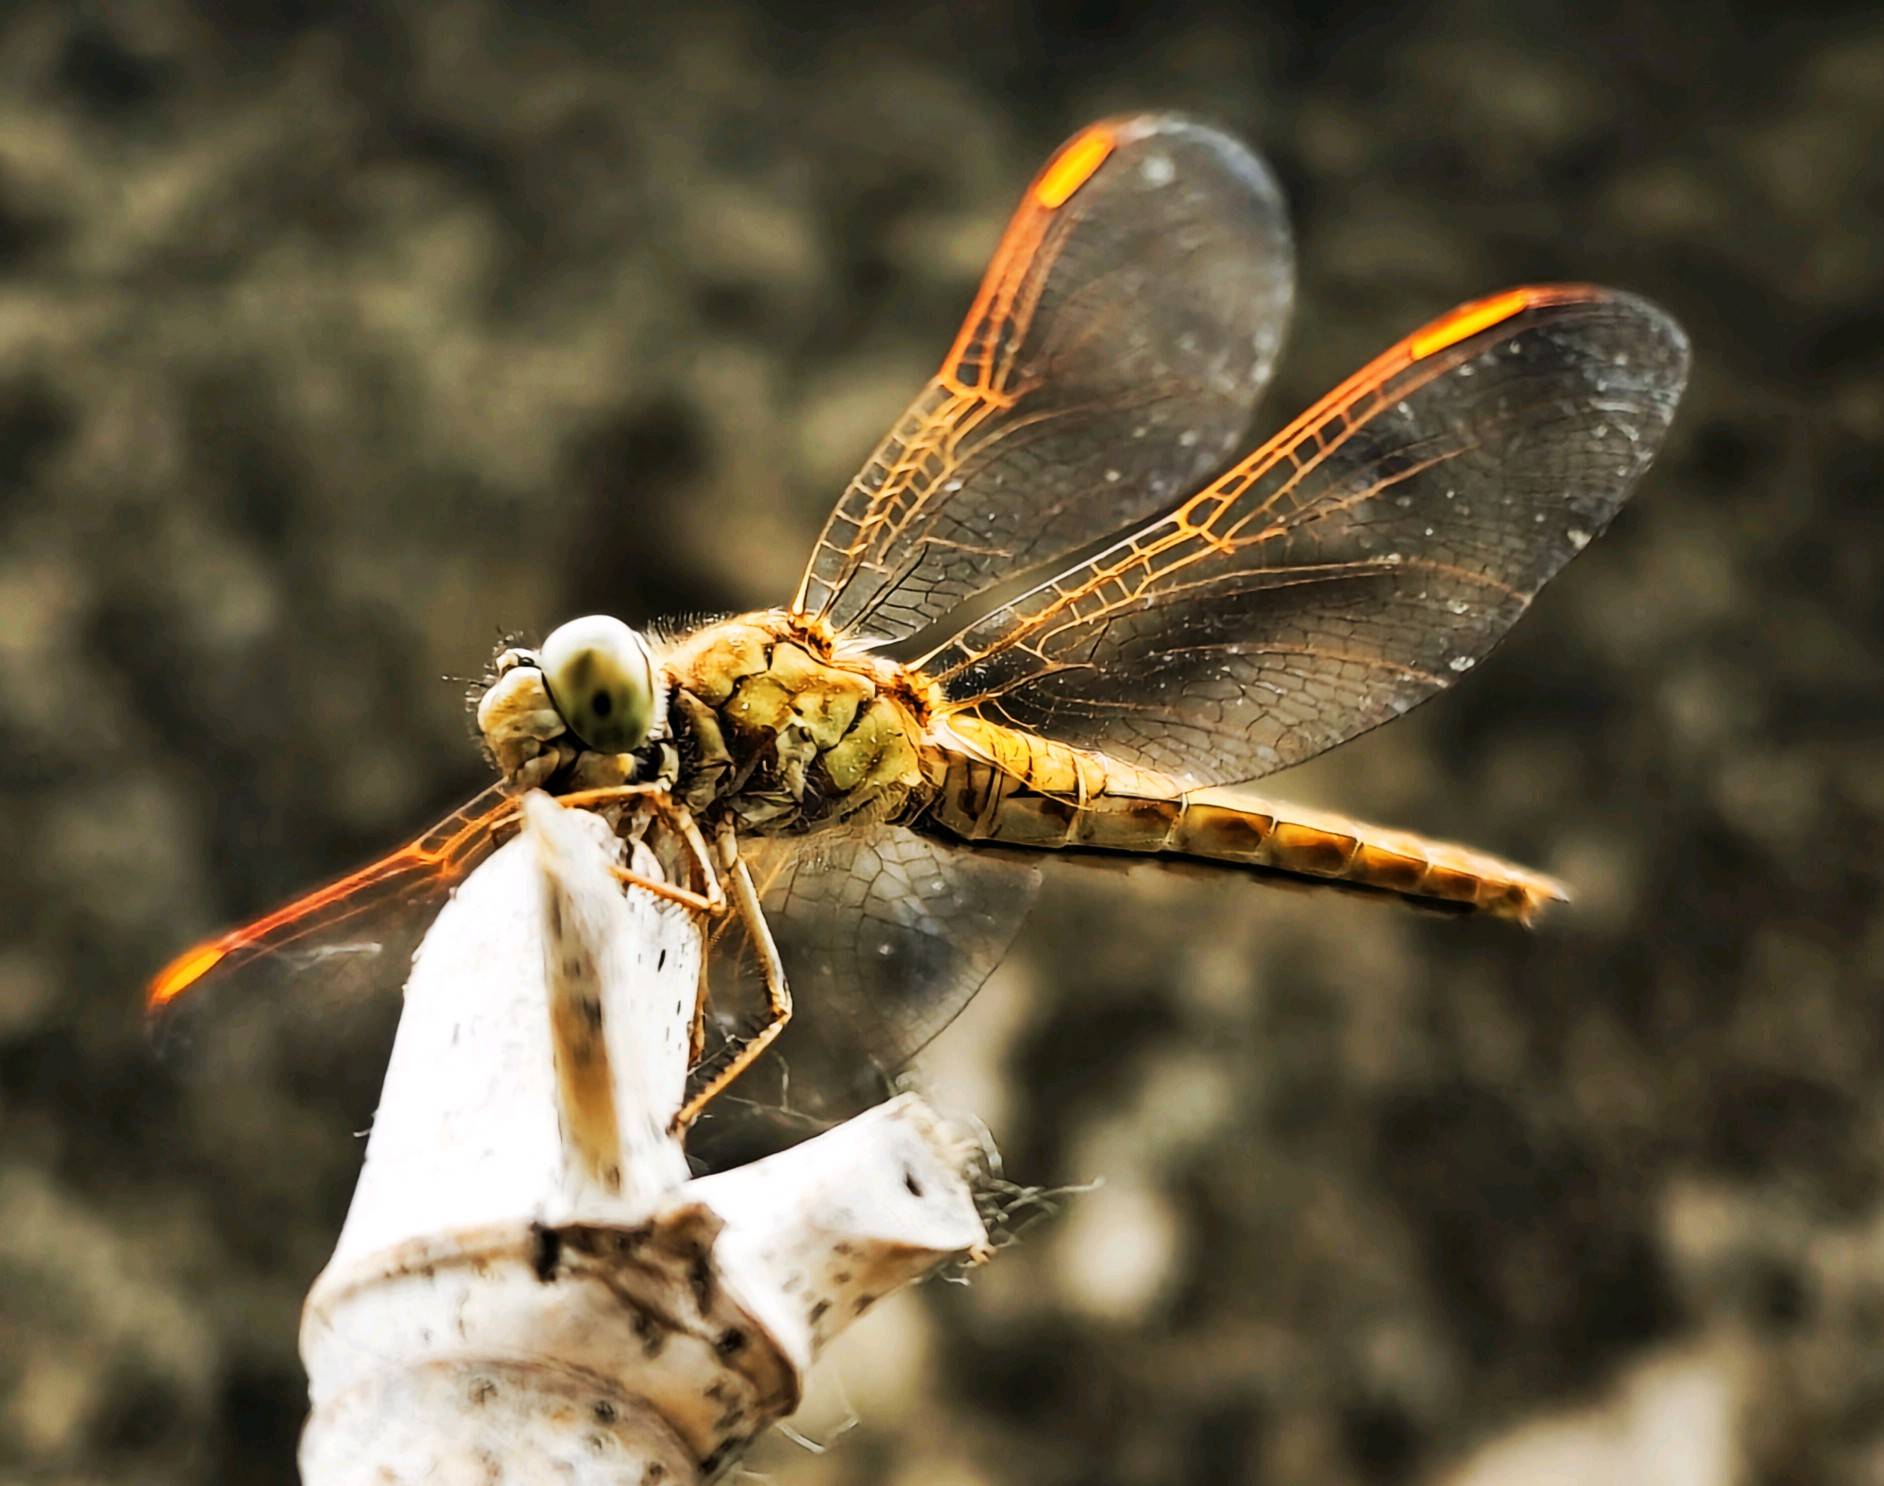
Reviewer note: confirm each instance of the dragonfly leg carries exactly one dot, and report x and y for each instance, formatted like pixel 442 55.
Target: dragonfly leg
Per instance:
pixel 696 1034
pixel 705 998
pixel 688 829
pixel 778 994
pixel 713 899
pixel 686 897
pixel 604 794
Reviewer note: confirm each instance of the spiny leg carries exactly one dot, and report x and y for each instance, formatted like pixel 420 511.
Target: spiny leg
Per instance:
pixel 681 819
pixel 713 900
pixel 698 902
pixel 696 1034
pixel 778 995
pixel 704 998
pixel 605 794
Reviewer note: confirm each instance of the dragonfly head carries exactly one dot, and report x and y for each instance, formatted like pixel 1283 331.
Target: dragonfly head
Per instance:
pixel 593 693
pixel 604 683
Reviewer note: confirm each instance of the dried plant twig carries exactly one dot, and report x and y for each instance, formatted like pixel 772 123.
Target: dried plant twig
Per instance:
pixel 527 1285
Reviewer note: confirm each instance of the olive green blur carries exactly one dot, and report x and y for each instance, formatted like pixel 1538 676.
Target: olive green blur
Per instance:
pixel 340 345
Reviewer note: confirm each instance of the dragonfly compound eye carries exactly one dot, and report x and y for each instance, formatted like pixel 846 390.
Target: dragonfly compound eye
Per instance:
pixel 601 677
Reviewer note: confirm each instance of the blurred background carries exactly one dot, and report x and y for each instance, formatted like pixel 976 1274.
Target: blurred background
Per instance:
pixel 335 341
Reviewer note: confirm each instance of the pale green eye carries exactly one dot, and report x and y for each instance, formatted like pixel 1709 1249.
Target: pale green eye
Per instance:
pixel 601 678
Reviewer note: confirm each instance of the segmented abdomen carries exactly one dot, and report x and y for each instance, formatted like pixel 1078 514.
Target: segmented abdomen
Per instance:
pixel 1020 790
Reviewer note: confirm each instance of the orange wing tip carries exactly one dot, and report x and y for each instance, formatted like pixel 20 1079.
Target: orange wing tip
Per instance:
pixel 1074 166
pixel 182 973
pixel 1468 320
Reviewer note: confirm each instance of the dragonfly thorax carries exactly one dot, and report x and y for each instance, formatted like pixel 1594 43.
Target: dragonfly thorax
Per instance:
pixel 776 729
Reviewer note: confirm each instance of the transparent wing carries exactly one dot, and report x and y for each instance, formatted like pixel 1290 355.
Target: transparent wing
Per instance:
pixel 1358 562
pixel 885 935
pixel 1127 324
pixel 353 935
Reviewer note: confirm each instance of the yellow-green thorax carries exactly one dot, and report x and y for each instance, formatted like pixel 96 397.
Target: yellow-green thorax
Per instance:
pixel 786 732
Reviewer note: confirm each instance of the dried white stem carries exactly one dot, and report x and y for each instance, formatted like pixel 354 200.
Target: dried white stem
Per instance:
pixel 527 1287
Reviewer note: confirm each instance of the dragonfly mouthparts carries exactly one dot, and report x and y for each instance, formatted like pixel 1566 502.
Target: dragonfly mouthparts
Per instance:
pixel 526 736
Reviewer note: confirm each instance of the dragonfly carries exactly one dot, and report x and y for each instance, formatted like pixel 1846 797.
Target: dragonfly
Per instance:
pixel 1058 611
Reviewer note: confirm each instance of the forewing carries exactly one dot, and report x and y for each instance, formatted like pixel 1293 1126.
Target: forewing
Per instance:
pixel 324 954
pixel 885 934
pixel 1127 324
pixel 1359 562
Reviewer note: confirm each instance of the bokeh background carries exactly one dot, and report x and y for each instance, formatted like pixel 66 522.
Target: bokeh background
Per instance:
pixel 336 340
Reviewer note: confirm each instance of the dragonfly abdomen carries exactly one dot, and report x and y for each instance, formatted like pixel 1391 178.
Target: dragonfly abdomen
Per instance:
pixel 1021 790
pixel 1229 826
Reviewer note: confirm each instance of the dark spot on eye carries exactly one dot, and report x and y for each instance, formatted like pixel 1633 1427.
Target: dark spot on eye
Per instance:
pixel 730 1341
pixel 913 1186
pixel 601 704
